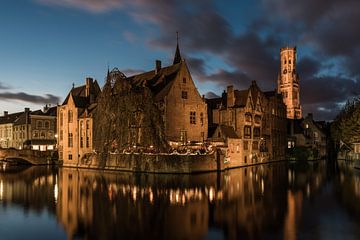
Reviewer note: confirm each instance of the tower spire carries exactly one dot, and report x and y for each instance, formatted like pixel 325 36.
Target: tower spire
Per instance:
pixel 177 57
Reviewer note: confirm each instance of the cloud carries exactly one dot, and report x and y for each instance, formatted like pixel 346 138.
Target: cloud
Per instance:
pixel 21 96
pixel 324 30
pixel 210 95
pixel 4 86
pixel 96 6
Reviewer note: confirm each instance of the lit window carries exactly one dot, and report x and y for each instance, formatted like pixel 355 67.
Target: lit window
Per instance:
pixel 70 140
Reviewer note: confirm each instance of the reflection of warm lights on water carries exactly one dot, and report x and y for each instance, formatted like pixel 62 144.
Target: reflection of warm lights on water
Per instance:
pixel 1 190
pixel 211 194
pixel 262 186
pixel 56 192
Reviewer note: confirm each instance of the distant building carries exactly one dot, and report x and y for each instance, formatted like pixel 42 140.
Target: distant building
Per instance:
pixel 7 128
pixel 307 133
pixel 35 129
pixel 288 82
pixel 251 124
pixel 74 122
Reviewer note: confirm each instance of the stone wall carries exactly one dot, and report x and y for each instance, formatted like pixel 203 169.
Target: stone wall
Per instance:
pixel 155 163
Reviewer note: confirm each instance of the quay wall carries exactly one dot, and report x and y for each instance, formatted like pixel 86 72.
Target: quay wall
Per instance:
pixel 152 163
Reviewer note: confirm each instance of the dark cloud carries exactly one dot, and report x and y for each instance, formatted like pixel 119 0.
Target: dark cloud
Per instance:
pixel 324 30
pixel 21 96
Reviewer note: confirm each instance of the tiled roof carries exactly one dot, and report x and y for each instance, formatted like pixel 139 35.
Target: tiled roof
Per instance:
pixel 159 82
pixel 10 118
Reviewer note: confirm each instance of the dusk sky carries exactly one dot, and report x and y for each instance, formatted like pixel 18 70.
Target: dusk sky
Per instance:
pixel 47 45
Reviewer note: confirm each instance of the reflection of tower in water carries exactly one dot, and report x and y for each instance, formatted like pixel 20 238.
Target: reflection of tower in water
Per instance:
pixel 293 214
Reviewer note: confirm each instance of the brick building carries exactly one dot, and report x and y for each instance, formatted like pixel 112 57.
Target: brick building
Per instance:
pixel 75 122
pixel 183 109
pixel 35 129
pixel 288 83
pixel 256 118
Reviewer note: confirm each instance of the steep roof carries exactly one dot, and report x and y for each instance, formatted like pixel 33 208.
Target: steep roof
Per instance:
pixel 159 82
pixel 79 95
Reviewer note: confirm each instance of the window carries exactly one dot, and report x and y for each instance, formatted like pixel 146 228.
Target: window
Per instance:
pixel 257 119
pixel 47 125
pixel 255 145
pixel 61 119
pixel 245 159
pixel 35 134
pixel 201 119
pixel 247 131
pixel 246 145
pixel 184 95
pixel 81 141
pixel 88 133
pixel 61 135
pixel 184 80
pixel 248 117
pixel 192 117
pixel 70 140
pixel 39 124
pixel 42 135
pixel 289 61
pixel 256 132
pixel 70 156
pixel 70 116
pixel 183 136
pixel 284 61
pixel 87 141
pixel 50 134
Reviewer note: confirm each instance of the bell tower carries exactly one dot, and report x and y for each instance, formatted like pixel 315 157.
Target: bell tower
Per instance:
pixel 288 82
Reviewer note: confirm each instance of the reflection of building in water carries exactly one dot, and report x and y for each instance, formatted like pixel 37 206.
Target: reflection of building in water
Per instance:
pixel 253 201
pixel 31 187
pixel 92 203
pixel 293 214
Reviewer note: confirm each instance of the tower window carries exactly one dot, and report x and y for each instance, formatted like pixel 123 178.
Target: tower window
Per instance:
pixel 289 61
pixel 285 61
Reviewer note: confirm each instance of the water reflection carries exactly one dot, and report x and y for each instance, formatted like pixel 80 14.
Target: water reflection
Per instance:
pixel 280 201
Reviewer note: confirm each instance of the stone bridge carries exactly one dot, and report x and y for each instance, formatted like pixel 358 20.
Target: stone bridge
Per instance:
pixel 32 157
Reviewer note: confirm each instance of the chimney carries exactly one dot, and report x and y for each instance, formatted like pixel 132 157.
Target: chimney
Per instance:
pixel 230 96
pixel 157 66
pixel 46 108
pixel 6 113
pixel 89 82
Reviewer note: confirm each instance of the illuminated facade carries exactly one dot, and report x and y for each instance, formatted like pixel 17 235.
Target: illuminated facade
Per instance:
pixel 288 82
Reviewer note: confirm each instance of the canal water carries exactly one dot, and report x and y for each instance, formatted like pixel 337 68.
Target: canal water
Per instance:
pixel 278 201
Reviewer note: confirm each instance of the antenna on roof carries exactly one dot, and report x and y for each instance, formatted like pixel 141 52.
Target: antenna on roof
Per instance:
pixel 73 85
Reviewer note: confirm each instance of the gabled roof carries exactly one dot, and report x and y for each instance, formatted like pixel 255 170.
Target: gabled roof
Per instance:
pixel 159 82
pixel 79 95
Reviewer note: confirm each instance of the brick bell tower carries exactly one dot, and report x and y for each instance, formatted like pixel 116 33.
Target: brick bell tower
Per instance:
pixel 288 82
